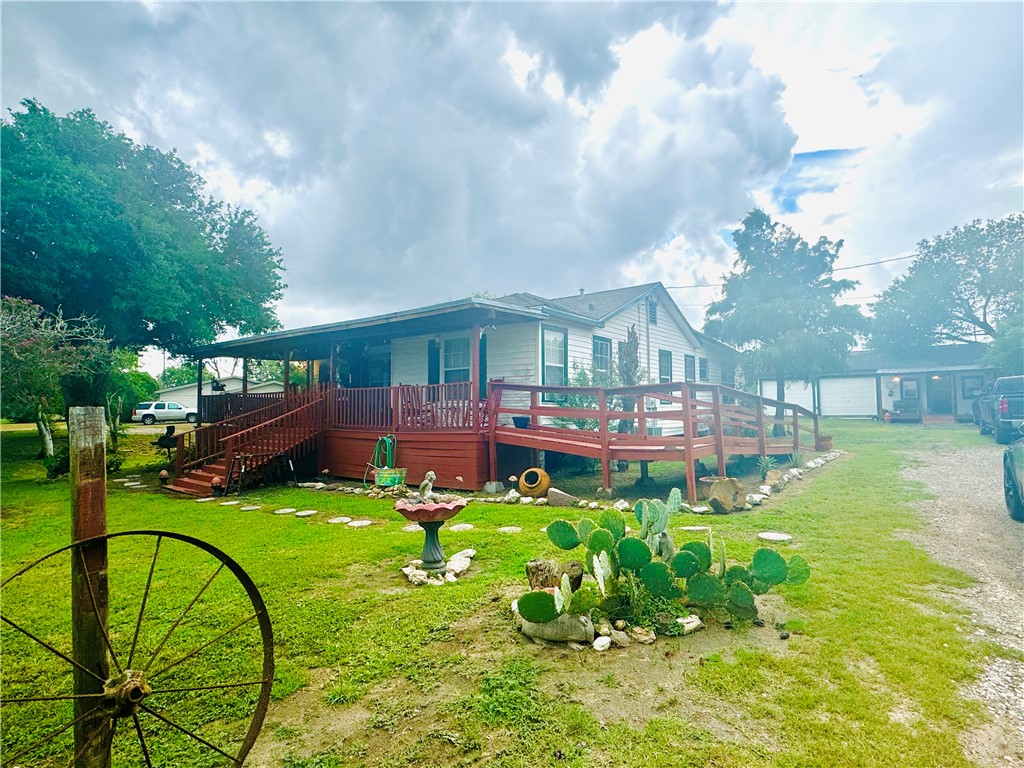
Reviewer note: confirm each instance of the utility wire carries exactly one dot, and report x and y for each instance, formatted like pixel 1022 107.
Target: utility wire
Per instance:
pixel 837 269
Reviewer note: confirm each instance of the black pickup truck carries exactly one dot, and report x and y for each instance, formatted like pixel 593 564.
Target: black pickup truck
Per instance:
pixel 1001 408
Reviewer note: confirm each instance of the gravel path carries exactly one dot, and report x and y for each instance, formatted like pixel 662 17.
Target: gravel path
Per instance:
pixel 969 529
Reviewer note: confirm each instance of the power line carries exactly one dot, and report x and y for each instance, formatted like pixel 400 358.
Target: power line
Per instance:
pixel 837 269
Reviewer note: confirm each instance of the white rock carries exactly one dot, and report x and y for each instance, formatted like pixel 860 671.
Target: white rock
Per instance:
pixel 757 499
pixel 526 500
pixel 764 490
pixel 132 484
pixel 701 510
pixel 417 577
pixel 512 497
pixel 315 486
pixel 510 529
pixel 285 511
pixel 306 513
pixel 229 503
pixel 622 505
pixel 774 536
pixel 407 528
pixel 208 498
pixel 450 577
pixel 690 623
pixel 336 520
pixel 540 503
pixel 250 508
pixel 602 643
pixel 436 581
pixel 695 528
pixel 582 504
pixel 461 527
pixel 593 505
pixel 458 565
pixel 359 523
pixel 468 554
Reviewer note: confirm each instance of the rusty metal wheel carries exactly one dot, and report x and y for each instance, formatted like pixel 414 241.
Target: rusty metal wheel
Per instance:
pixel 189 657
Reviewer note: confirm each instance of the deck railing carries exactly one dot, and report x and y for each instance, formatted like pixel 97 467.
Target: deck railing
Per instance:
pixel 214 408
pixel 290 434
pixel 407 407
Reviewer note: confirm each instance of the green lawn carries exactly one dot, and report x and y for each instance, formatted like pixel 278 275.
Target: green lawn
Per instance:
pixel 371 671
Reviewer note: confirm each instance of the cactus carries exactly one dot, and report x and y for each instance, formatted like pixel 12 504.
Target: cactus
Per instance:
pixel 665 548
pixel 659 580
pixel 633 553
pixel 705 589
pixel 562 534
pixel 601 540
pixel 654 520
pixel 601 567
pixel 798 570
pixel 585 527
pixel 740 602
pixel 538 607
pixel 675 501
pixel 737 573
pixel 685 564
pixel 611 519
pixel 701 551
pixel 563 594
pixel 768 566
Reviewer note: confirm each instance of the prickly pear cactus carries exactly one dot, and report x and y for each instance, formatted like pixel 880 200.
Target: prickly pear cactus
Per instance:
pixel 685 564
pixel 740 602
pixel 659 579
pixel 768 566
pixel 563 534
pixel 611 519
pixel 585 527
pixel 538 607
pixel 798 571
pixel 701 551
pixel 675 501
pixel 633 553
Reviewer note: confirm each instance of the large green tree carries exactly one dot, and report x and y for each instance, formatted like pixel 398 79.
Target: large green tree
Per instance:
pixel 964 285
pixel 100 226
pixel 779 304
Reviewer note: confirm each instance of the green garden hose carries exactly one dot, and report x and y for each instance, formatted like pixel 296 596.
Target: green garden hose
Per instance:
pixel 384 455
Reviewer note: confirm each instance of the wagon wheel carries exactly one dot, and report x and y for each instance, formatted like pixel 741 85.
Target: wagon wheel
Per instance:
pixel 189 648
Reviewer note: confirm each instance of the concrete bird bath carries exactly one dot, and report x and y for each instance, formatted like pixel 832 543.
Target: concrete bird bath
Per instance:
pixel 431 516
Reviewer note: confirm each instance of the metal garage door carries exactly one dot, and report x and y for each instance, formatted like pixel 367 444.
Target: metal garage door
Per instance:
pixel 851 396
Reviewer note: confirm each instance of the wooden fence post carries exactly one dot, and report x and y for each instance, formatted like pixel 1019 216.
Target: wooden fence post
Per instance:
pixel 796 430
pixel 762 440
pixel 89 595
pixel 688 429
pixel 716 400
pixel 602 408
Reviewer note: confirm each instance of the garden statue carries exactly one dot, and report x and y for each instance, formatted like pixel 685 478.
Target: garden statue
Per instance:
pixel 427 487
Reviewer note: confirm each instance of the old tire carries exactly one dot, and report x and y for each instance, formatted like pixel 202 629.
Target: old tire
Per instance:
pixel 534 482
pixel 149 419
pixel 1014 503
pixel 1003 435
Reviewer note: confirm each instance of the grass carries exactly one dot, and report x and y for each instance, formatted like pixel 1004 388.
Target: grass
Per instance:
pixel 441 675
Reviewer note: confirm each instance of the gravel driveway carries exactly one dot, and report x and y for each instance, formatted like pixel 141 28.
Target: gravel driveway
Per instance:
pixel 969 529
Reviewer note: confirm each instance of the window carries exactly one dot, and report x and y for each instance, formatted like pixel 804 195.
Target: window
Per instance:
pixel 173 407
pixel 691 367
pixel 652 312
pixel 664 368
pixel 908 389
pixel 553 359
pixel 705 369
pixel 456 360
pixel 602 361
pixel 160 406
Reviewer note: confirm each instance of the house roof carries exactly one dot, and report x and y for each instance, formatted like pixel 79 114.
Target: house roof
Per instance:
pixel 945 357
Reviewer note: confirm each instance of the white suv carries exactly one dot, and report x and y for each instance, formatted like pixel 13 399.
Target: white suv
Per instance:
pixel 150 413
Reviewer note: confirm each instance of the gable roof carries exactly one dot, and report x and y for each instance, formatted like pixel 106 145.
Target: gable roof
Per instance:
pixel 942 357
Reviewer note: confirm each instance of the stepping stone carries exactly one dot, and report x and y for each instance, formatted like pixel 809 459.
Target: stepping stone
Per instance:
pixel 461 527
pixel 774 536
pixel 411 527
pixel 250 508
pixel 306 513
pixel 510 529
pixel 208 498
pixel 695 528
pixel 120 480
pixel 131 484
pixel 137 486
pixel 285 511
pixel 339 520
pixel 359 523
pixel 229 503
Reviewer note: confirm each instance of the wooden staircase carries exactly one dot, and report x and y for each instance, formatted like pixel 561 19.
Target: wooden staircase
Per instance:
pixel 247 447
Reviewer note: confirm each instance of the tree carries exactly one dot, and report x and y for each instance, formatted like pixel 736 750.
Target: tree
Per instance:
pixel 779 304
pixel 100 226
pixel 961 286
pixel 127 387
pixel 1006 354
pixel 184 373
pixel 40 352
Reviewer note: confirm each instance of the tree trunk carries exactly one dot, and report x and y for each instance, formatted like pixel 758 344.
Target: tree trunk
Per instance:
pixel 45 430
pixel 779 430
pixel 114 405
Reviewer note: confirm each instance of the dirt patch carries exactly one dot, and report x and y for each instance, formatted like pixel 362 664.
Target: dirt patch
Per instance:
pixel 968 528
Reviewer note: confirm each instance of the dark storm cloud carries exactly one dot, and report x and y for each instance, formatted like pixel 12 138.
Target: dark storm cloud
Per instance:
pixel 393 156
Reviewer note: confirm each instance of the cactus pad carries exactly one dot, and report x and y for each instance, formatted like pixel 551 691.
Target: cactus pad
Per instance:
pixel 538 607
pixel 740 602
pixel 701 551
pixel 685 564
pixel 563 535
pixel 659 580
pixel 799 570
pixel 737 573
pixel 638 510
pixel 611 519
pixel 601 541
pixel 675 501
pixel 633 553
pixel 585 527
pixel 768 566
pixel 705 589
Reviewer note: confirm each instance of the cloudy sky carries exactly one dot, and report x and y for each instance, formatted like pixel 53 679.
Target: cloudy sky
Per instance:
pixel 402 154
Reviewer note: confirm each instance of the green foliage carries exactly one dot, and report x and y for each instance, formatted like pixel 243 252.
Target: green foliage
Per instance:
pixel 705 589
pixel 685 564
pixel 611 519
pixel 538 606
pixel 659 580
pixel 768 566
pixel 737 573
pixel 563 535
pixel 740 602
pixel 1004 353
pixel 633 553
pixel 584 600
pixel 779 304
pixel 766 464
pixel 102 227
pixel 798 571
pixel 601 540
pixel 701 551
pixel 675 501
pixel 585 527
pixel 961 284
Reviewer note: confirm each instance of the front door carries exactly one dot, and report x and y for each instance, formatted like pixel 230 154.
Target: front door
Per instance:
pixel 940 394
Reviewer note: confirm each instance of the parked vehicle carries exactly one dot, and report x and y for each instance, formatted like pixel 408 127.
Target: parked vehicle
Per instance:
pixel 1013 479
pixel 150 413
pixel 1001 408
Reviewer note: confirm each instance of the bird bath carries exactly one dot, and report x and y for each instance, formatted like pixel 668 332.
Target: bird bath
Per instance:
pixel 430 516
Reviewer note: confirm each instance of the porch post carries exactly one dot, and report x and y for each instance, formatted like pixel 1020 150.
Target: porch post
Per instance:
pixel 309 375
pixel 199 391
pixel 245 375
pixel 330 368
pixel 474 377
pixel 287 375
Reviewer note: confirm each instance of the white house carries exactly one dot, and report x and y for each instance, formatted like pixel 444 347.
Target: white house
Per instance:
pixel 941 381
pixel 186 393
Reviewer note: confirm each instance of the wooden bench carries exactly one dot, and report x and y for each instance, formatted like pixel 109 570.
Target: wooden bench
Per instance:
pixel 906 411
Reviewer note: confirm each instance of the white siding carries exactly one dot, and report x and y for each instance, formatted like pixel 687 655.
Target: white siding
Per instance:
pixel 409 360
pixel 797 392
pixel 848 396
